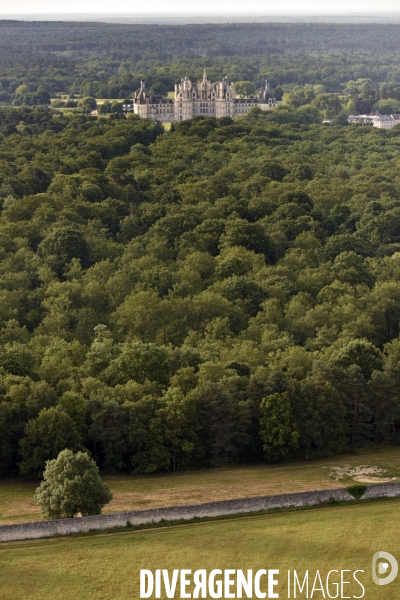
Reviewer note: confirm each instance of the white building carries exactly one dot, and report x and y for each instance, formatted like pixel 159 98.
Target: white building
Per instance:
pixel 376 120
pixel 386 121
pixel 199 99
pixel 149 105
pixel 369 119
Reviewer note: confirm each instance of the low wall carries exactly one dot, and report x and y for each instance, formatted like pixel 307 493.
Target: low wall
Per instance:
pixel 43 529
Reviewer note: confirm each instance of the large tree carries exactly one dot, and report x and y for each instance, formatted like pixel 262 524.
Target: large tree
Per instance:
pixel 71 485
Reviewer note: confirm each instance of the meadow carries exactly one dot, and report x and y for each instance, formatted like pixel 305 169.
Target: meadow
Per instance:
pixel 135 492
pixel 106 567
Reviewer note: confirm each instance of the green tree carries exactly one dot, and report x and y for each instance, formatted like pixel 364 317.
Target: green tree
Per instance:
pixel 361 353
pixel 385 407
pixel 159 88
pixel 109 430
pixel 52 431
pixel 7 437
pixel 320 414
pixel 22 90
pixel 87 104
pixel 180 423
pixel 63 243
pixel 139 362
pixel 329 104
pixel 278 430
pixel 353 391
pixel 245 89
pixel 239 232
pixel 225 420
pixel 102 351
pixel 146 438
pixel 350 267
pixel 75 405
pixel 71 485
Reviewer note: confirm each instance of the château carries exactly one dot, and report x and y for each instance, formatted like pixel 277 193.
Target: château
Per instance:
pixel 202 98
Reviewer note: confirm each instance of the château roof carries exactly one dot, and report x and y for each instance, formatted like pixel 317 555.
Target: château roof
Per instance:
pixel 266 94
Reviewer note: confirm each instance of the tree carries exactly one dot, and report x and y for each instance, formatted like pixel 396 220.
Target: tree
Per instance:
pixel 245 88
pixel 63 243
pixel 7 437
pixel 139 362
pixel 239 232
pixel 75 405
pixel 243 292
pixel 278 430
pixel 160 279
pixel 110 428
pixel 353 392
pixel 71 485
pixel 179 417
pixel 22 90
pixel 229 266
pixel 88 104
pixel 52 431
pixel 329 104
pixel 101 352
pixel 361 353
pixel 295 98
pixel 226 420
pixel 275 171
pixel 41 96
pixel 345 243
pixel 147 435
pixel 303 172
pixel 351 268
pixel 320 415
pixel 104 108
pixel 159 88
pixel 140 314
pixel 385 406
pixel 16 358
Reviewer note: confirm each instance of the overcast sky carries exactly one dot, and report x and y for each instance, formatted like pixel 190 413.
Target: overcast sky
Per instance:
pixel 205 6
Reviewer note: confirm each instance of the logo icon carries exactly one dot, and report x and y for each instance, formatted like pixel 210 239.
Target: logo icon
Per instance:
pixel 380 565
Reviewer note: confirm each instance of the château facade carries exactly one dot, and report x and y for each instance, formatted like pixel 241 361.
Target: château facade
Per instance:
pixel 203 98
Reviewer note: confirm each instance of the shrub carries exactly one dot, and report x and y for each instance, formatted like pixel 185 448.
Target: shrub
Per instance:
pixel 357 491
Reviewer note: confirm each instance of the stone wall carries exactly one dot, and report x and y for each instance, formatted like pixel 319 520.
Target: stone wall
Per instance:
pixel 43 529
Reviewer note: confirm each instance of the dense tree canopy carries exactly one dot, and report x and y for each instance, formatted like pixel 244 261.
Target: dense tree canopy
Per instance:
pixel 224 291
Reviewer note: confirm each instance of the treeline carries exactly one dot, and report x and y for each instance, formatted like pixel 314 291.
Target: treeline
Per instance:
pixel 201 39
pixel 224 292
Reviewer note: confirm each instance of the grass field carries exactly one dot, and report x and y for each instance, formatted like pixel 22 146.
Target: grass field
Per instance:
pixel 107 567
pixel 98 100
pixel 138 492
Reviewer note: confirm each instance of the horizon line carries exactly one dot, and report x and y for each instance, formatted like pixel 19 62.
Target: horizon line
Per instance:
pixel 208 13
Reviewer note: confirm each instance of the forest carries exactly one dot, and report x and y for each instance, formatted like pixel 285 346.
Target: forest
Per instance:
pixel 224 292
pixel 303 61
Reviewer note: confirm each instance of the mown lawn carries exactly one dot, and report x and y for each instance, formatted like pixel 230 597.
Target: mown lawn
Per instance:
pixel 139 492
pixel 107 567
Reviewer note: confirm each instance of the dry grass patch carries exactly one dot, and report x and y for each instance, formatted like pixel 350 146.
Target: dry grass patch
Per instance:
pixel 244 482
pixel 16 501
pixel 134 492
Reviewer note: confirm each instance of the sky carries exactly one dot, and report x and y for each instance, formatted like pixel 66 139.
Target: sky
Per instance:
pixel 37 7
